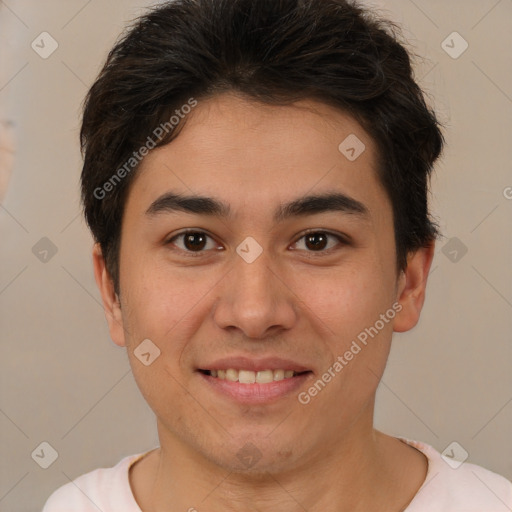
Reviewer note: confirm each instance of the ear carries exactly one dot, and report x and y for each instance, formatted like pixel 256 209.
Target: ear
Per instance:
pixel 411 288
pixel 111 303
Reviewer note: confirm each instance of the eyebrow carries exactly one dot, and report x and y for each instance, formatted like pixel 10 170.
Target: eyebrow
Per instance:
pixel 307 205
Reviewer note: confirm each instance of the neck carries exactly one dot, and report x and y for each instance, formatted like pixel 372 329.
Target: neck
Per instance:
pixel 357 471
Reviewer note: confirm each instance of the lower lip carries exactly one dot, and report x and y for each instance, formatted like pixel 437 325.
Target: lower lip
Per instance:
pixel 256 393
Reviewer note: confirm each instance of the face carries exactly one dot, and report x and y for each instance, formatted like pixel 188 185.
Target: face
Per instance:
pixel 265 281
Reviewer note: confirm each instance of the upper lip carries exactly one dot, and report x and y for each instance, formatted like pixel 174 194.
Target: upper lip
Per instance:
pixel 254 364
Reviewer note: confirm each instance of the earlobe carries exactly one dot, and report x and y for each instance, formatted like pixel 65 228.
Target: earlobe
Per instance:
pixel 412 286
pixel 110 299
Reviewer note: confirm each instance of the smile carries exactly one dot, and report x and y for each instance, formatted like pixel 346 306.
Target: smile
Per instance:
pixel 251 377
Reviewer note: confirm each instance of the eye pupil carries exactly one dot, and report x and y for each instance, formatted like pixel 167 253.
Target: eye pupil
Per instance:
pixel 191 241
pixel 312 241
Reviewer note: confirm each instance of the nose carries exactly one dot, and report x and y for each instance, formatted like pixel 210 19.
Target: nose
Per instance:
pixel 255 299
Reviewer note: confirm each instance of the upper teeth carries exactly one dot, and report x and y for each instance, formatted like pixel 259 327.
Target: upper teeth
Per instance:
pixel 250 377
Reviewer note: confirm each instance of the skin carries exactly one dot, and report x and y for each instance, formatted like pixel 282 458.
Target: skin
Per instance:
pixel 293 302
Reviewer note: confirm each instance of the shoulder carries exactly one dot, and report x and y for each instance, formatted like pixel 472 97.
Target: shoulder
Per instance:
pixel 459 486
pixel 477 488
pixel 97 490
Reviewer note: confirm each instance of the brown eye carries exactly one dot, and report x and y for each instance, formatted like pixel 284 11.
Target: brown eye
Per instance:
pixel 193 241
pixel 318 241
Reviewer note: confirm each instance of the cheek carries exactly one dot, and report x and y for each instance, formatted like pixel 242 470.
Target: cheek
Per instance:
pixel 351 305
pixel 348 300
pixel 165 306
pixel 159 310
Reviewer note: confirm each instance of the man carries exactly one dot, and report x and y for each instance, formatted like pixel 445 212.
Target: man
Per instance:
pixel 256 177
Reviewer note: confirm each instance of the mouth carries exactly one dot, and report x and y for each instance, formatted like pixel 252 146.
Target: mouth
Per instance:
pixel 253 377
pixel 251 380
pixel 254 387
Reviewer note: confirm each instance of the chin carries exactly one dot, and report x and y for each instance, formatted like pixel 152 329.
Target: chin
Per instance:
pixel 256 454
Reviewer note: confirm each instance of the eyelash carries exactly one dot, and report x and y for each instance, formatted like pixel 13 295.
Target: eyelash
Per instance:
pixel 341 239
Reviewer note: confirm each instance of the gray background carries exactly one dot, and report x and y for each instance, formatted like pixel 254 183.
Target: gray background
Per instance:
pixel 64 382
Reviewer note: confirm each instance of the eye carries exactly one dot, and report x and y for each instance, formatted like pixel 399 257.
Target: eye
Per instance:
pixel 193 241
pixel 318 241
pixel 196 242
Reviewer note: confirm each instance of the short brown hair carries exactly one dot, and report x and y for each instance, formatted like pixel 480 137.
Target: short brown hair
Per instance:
pixel 271 51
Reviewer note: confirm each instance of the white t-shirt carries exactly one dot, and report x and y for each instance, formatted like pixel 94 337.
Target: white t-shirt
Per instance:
pixel 468 488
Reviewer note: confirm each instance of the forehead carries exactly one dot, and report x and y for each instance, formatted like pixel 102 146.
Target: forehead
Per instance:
pixel 251 154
